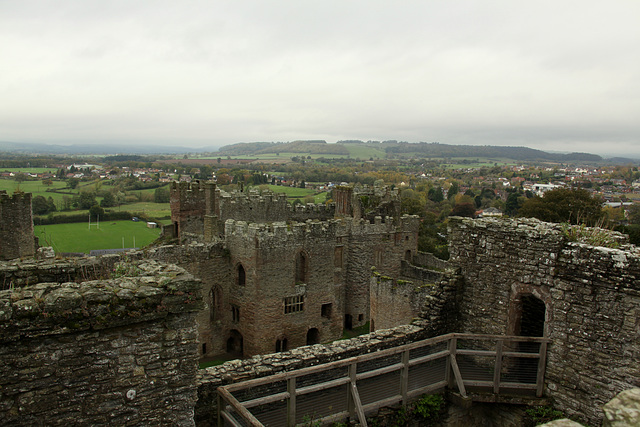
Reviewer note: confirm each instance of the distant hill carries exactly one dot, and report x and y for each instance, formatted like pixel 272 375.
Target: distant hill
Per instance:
pixel 404 149
pixel 516 153
pixel 306 147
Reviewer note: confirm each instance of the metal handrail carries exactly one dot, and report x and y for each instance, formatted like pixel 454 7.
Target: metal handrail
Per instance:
pixel 462 368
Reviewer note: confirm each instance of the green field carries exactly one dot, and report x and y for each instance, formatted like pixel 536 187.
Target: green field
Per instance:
pixel 29 170
pixel 77 237
pixel 37 188
pixel 298 193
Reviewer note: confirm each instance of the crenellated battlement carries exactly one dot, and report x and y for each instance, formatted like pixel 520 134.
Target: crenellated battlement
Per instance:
pixel 329 229
pixel 267 206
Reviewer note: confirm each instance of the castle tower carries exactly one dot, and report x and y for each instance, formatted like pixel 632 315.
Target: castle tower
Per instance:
pixel 16 226
pixel 342 196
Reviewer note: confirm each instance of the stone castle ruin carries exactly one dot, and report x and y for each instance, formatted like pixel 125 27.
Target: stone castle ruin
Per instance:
pixel 116 339
pixel 277 276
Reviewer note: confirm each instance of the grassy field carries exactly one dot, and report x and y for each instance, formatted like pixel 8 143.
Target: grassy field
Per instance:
pixel 35 187
pixel 29 170
pixel 153 210
pixel 298 193
pixel 364 152
pixel 77 237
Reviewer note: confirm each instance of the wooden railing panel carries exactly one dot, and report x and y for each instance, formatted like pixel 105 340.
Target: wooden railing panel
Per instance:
pixel 453 376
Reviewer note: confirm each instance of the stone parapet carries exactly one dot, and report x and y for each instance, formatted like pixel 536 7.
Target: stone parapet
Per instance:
pixel 116 351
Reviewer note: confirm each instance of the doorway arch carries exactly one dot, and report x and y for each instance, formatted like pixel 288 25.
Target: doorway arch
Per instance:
pixel 313 336
pixel 235 343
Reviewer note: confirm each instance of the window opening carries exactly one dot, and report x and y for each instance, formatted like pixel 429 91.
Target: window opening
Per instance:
pixel 281 345
pixel 293 304
pixel 325 310
pixel 242 276
pixel 235 313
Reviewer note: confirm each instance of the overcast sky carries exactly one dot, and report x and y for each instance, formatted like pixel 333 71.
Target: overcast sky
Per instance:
pixel 556 75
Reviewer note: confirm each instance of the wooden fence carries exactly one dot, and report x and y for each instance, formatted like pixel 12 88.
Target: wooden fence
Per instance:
pixel 358 386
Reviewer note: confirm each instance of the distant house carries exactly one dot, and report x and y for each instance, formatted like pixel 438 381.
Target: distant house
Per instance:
pixel 490 212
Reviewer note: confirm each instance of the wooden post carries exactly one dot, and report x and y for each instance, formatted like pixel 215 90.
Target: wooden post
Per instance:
pixel 404 377
pixel 351 404
pixel 498 367
pixel 542 362
pixel 454 367
pixel 220 403
pixel 291 402
pixel 452 350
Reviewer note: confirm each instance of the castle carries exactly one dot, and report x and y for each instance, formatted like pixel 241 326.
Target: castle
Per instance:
pixel 80 342
pixel 277 276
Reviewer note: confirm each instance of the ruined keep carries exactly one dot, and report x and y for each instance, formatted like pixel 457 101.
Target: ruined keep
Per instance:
pixel 116 350
pixel 278 276
pixel 16 226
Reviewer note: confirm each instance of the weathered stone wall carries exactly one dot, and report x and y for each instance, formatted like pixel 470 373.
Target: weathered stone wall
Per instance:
pixel 16 226
pixel 434 306
pixel 394 302
pixel 269 207
pixel 211 263
pixel 427 260
pixel 118 351
pixel 591 297
pixel 15 274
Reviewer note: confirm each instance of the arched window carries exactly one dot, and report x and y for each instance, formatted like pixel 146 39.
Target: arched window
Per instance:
pixel 407 255
pixel 302 268
pixel 281 345
pixel 241 275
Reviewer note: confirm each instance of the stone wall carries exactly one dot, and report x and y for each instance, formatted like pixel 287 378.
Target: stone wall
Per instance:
pixel 590 295
pixel 16 273
pixel 16 226
pixel 427 260
pixel 266 206
pixel 433 306
pixel 119 351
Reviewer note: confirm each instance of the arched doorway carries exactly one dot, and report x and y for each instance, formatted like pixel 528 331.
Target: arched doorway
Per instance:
pixel 348 322
pixel 532 316
pixel 530 323
pixel 313 336
pixel 234 343
pixel 407 255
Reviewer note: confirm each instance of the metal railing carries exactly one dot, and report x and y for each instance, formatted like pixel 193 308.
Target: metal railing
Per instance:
pixel 359 386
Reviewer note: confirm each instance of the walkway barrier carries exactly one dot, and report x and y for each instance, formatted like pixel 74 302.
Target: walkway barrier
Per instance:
pixel 358 386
